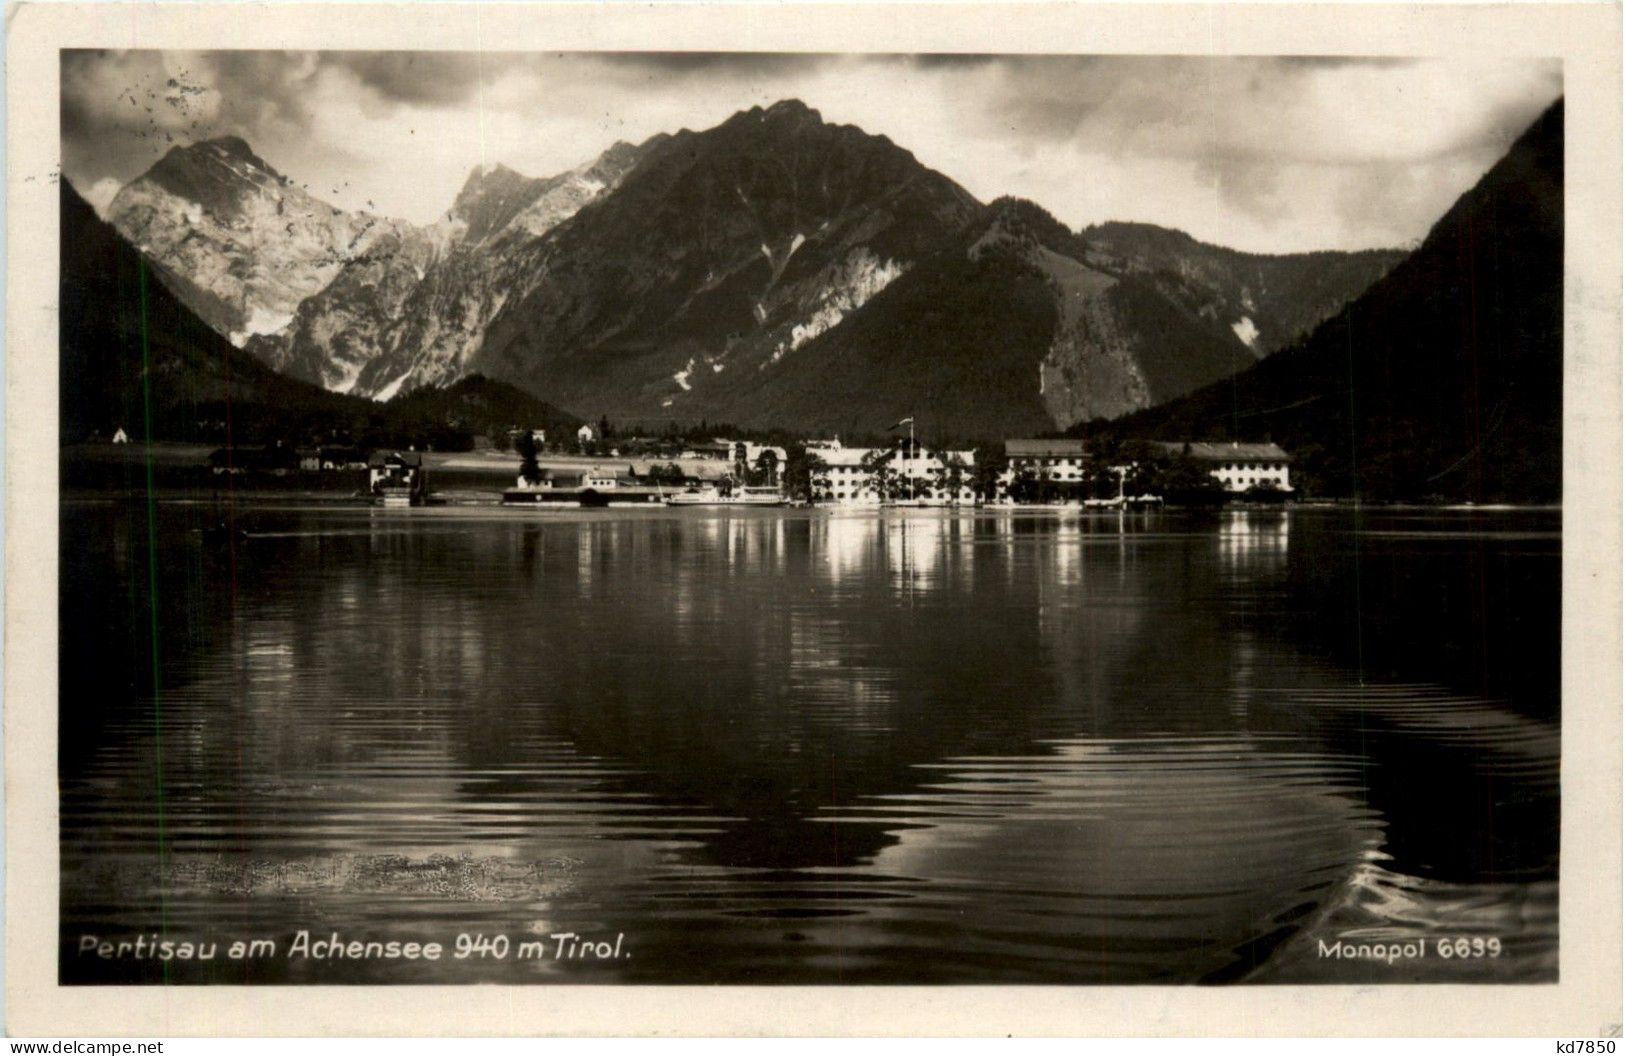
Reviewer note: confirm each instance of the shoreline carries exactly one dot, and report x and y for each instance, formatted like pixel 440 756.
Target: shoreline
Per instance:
pixel 483 499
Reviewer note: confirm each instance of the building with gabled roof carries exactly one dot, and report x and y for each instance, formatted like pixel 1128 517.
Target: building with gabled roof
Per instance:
pixel 1238 466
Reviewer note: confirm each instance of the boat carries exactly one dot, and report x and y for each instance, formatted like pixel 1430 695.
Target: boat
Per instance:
pixel 590 498
pixel 753 496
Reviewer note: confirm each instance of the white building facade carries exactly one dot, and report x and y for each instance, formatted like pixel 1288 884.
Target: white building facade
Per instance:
pixel 864 476
pixel 1059 461
pixel 1240 466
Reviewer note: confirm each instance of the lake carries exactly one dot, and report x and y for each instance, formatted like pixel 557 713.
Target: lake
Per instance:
pixel 792 746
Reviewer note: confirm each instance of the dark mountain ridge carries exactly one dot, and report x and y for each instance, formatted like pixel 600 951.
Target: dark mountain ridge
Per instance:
pixel 1272 298
pixel 1444 379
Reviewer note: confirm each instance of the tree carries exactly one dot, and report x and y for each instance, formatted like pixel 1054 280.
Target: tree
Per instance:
pixel 529 469
pixel 670 473
pixel 988 468
pixel 949 476
pixel 1024 486
pixel 1187 482
pixel 817 477
pixel 805 474
pixel 1106 481
pixel 767 466
pixel 883 482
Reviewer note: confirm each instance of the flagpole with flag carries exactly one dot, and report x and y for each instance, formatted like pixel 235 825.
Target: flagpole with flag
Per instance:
pixel 909 421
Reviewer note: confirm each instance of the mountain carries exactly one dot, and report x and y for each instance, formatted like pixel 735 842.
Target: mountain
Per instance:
pixel 1268 301
pixel 1017 325
pixel 128 344
pixel 959 342
pixel 237 241
pixel 742 273
pixel 1444 379
pixel 721 252
pixel 411 312
pixel 130 348
pixel 781 271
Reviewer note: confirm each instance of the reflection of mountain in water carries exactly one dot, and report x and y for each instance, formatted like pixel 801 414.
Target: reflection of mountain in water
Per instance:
pixel 888 747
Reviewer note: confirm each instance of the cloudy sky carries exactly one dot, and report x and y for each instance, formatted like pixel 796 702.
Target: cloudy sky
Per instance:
pixel 1270 155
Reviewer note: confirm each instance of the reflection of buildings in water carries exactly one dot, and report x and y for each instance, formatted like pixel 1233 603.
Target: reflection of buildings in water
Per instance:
pixel 1092 605
pixel 1243 685
pixel 849 542
pixel 1065 559
pixel 913 550
pixel 747 543
pixel 1257 538
pixel 585 540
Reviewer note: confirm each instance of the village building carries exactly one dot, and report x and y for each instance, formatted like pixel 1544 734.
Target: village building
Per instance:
pixel 343 458
pixel 537 436
pixel 121 437
pixel 600 479
pixel 1239 466
pixel 749 458
pixel 332 458
pixel 848 481
pixel 708 451
pixel 544 480
pixel 1057 461
pixel 275 460
pixel 917 475
pixel 396 478
pixel 586 434
pixel 750 452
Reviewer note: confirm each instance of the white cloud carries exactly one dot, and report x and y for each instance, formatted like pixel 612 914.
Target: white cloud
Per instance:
pixel 1262 154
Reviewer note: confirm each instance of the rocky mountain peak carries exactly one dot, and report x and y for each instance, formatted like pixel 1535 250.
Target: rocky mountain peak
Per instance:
pixel 491 196
pixel 239 244
pixel 230 152
pixel 788 114
pixel 623 155
pixel 231 146
pixel 794 109
pixel 487 173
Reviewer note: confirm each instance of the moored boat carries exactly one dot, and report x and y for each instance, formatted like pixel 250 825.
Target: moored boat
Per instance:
pixel 752 496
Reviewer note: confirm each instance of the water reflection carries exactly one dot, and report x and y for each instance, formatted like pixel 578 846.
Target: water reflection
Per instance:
pixel 1254 539
pixel 905 746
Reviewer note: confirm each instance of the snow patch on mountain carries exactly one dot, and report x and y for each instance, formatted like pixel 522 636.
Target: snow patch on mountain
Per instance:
pixel 1246 331
pixel 388 392
pixel 261 320
pixel 859 277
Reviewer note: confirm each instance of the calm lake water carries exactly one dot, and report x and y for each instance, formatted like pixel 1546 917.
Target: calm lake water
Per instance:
pixel 811 746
